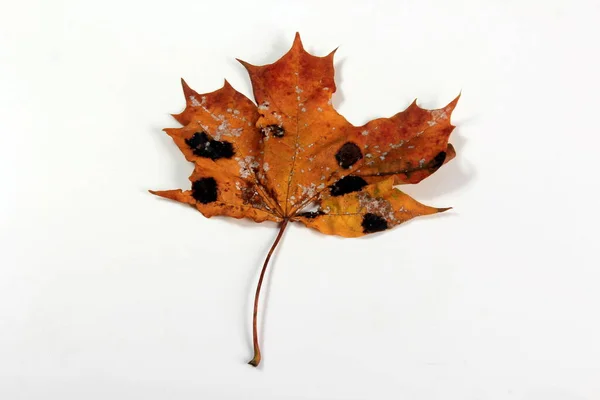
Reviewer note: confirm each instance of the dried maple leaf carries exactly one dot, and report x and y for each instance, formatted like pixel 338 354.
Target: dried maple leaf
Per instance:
pixel 293 158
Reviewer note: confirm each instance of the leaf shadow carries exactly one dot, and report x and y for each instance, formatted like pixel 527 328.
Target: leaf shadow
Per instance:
pixel 338 97
pixel 451 177
pixel 181 168
pixel 251 276
pixel 264 296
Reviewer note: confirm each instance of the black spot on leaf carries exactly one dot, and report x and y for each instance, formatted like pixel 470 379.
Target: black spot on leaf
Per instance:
pixel 373 223
pixel 273 130
pixel 438 160
pixel 311 214
pixel 348 155
pixel 204 146
pixel 347 184
pixel 205 190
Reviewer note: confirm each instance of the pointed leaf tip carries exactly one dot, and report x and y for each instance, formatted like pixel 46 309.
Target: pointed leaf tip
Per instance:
pixel 246 65
pixel 332 53
pixel 452 105
pixel 187 90
pixel 184 84
pixel 297 40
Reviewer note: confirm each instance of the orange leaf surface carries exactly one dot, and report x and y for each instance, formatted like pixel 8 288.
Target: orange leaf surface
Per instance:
pixel 291 157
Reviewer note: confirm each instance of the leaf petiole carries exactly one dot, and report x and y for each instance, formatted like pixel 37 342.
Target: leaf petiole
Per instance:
pixel 256 359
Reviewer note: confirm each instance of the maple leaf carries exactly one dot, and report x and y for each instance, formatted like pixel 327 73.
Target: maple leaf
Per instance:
pixel 293 158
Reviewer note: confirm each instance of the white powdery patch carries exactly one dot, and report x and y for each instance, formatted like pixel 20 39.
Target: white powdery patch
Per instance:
pixel 319 109
pixel 365 133
pixel 308 191
pixel 224 129
pixel 194 102
pixel 264 106
pixel 298 90
pixel 247 165
pixel 313 206
pixel 421 162
pixel 437 115
pixel 303 109
pixel 266 167
pixel 377 206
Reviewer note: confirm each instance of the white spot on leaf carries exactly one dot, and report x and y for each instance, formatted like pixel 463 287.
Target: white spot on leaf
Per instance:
pixel 194 102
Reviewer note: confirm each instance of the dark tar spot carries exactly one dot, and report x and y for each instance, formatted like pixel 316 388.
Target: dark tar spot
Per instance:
pixel 347 184
pixel 348 155
pixel 273 130
pixel 373 223
pixel 205 190
pixel 311 214
pixel 438 160
pixel 204 146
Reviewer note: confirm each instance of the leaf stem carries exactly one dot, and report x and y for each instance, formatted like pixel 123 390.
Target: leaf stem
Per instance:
pixel 256 359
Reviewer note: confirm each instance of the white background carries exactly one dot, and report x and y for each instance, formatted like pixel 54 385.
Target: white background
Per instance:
pixel 107 292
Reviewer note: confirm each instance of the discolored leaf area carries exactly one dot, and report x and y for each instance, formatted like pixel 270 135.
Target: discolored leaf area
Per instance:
pixel 292 158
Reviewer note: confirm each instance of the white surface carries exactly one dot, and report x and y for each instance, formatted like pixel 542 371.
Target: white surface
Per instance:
pixel 107 292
